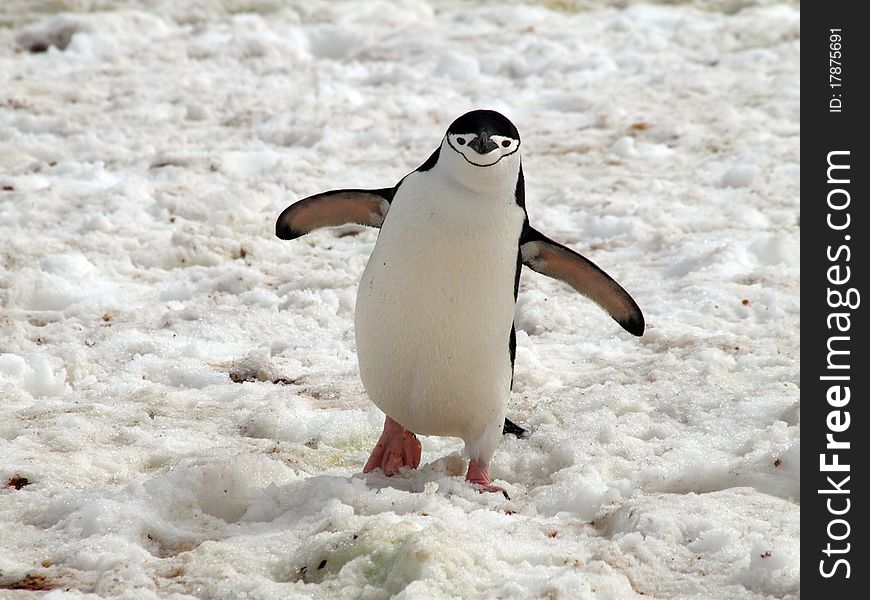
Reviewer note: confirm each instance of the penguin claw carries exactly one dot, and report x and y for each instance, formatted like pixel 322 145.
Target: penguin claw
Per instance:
pixel 492 488
pixel 396 448
pixel 478 474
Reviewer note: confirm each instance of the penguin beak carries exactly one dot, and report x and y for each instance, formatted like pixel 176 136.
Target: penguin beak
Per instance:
pixel 482 144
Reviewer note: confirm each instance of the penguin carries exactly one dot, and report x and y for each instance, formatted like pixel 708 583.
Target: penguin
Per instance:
pixel 434 320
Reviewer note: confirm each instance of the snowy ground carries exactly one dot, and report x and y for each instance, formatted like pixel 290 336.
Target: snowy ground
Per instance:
pixel 179 397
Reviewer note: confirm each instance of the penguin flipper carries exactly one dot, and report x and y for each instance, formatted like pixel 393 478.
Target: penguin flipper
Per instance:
pixel 552 259
pixel 336 207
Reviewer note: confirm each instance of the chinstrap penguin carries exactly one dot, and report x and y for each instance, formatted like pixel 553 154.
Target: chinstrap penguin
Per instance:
pixel 435 306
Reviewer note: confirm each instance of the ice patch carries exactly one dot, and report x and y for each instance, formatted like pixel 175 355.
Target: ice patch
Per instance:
pixel 196 112
pixel 75 266
pixel 36 375
pixel 708 535
pixel 457 67
pixel 98 223
pixel 607 226
pixel 624 147
pixel 740 176
pixel 64 282
pixel 249 164
pixel 94 36
pixel 778 249
pixel 189 373
pixel 56 32
pixel 335 43
pixel 719 261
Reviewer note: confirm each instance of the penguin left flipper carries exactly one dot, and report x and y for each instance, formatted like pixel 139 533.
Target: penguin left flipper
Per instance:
pixel 336 207
pixel 552 259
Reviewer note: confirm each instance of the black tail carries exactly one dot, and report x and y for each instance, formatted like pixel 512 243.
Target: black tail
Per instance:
pixel 512 428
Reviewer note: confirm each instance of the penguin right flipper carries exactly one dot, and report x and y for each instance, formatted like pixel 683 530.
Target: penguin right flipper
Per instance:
pixel 336 207
pixel 552 259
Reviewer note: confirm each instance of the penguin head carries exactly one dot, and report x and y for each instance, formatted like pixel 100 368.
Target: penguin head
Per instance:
pixel 484 138
pixel 481 151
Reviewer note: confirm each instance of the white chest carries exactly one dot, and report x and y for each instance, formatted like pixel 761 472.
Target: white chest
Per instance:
pixel 436 303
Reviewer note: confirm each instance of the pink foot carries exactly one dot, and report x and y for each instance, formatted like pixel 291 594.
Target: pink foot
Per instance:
pixel 478 474
pixel 396 448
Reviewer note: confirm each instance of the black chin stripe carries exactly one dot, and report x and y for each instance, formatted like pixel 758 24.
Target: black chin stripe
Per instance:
pixel 449 143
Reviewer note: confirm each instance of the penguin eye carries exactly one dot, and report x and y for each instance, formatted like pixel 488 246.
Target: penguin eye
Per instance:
pixel 505 143
pixel 460 141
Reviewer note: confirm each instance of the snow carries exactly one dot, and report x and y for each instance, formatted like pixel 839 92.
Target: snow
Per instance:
pixel 180 405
